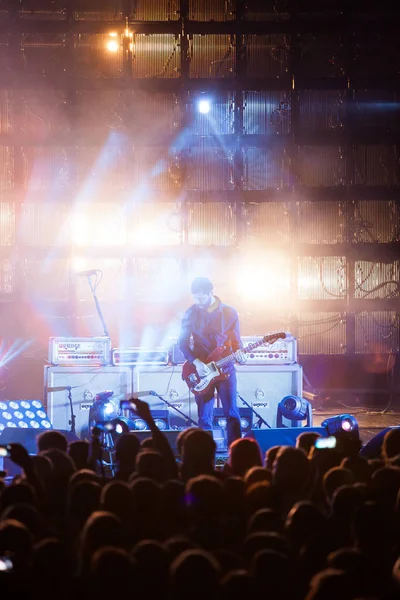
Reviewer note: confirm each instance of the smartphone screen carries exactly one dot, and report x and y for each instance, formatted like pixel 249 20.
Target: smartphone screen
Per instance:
pixel 326 442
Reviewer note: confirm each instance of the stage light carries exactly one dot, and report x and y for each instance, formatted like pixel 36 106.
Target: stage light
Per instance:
pixel 244 423
pixel 103 409
pixel 204 106
pixel 161 419
pixel 139 424
pixel 343 424
pixel 257 279
pixel 294 409
pixel 246 419
pixel 122 425
pixel 161 424
pixel 113 44
pixel 23 414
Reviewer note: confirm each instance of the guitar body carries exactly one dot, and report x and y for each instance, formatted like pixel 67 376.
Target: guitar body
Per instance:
pixel 201 385
pixel 215 361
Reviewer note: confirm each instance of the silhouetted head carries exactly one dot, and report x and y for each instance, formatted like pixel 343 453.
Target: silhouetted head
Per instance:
pixel 291 469
pixel 198 453
pixel 257 474
pixel 244 454
pixel 50 439
pixel 270 456
pixel 334 479
pixel 79 452
pixel 150 463
pixel 126 449
pixel 391 443
pixel 306 440
pixel 196 566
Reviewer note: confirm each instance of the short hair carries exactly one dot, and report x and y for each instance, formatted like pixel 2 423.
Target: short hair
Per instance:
pixel 201 284
pixel 51 439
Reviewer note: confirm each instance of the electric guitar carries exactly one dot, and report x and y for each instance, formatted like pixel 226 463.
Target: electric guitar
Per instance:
pixel 215 361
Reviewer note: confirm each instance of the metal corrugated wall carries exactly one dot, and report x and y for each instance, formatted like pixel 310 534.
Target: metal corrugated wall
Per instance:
pixel 298 156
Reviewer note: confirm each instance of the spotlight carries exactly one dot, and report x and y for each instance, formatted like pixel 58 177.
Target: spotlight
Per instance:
pixel 161 419
pixel 112 46
pixel 23 414
pixel 244 423
pixel 140 424
pixel 122 425
pixel 204 106
pixel 341 425
pixel 246 420
pixel 295 409
pixel 103 408
pixel 161 424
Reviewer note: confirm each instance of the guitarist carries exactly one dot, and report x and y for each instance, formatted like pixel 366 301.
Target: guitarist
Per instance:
pixel 206 325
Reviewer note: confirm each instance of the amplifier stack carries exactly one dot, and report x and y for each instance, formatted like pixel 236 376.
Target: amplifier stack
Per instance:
pixel 80 368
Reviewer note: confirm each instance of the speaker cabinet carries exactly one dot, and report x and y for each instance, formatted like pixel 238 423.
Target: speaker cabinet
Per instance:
pixel 83 383
pixel 267 438
pixel 168 383
pixel 264 386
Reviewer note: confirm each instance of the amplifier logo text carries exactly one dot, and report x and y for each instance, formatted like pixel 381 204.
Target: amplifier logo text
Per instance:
pixel 69 346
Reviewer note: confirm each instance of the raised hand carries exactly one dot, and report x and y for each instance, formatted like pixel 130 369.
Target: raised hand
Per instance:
pixel 19 455
pixel 142 409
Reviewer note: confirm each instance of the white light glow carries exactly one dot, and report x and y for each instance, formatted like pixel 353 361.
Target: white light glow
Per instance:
pixel 204 106
pixel 78 263
pixel 109 408
pixel 97 230
pixel 113 46
pixel 266 279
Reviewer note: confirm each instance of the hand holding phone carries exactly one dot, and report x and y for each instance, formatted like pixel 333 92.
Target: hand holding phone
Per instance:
pixel 140 407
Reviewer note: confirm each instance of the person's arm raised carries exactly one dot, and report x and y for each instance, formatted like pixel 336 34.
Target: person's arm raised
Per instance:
pixel 20 456
pixel 159 439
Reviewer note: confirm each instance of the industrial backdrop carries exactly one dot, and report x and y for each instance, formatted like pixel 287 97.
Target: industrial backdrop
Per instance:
pixel 286 193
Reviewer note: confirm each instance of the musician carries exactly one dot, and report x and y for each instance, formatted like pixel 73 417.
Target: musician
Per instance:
pixel 206 325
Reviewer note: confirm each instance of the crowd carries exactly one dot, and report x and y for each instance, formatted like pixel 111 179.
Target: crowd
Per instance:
pixel 298 523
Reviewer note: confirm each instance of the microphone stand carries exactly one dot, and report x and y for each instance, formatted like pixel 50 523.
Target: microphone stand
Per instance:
pixel 188 419
pixel 72 420
pixel 259 417
pixel 98 308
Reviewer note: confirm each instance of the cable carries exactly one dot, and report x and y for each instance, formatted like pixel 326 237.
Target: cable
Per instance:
pixel 169 382
pixel 342 295
pixel 334 317
pixel 320 332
